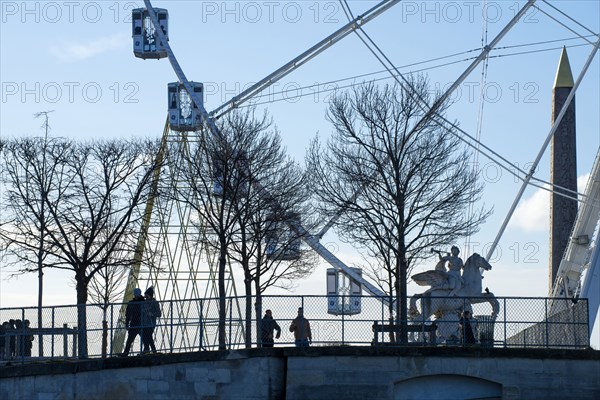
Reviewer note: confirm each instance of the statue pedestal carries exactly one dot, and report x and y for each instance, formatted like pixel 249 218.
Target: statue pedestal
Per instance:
pixel 447 326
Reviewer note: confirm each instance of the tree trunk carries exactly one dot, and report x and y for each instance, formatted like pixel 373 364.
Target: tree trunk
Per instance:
pixel 248 292
pixel 222 294
pixel 104 338
pixel 258 311
pixel 248 330
pixel 403 306
pixel 81 287
pixel 392 336
pixel 104 331
pixel 39 316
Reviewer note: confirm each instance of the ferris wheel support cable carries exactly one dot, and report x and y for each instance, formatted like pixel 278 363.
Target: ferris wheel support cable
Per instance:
pixel 564 25
pixel 320 91
pixel 480 108
pixel 309 54
pixel 569 17
pixel 301 231
pixel 511 168
pixel 563 111
pixel 431 112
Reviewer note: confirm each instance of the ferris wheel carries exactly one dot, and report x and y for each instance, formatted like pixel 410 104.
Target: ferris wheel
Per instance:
pixel 191 268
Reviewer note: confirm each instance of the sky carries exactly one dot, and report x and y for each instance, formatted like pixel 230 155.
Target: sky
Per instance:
pixel 75 58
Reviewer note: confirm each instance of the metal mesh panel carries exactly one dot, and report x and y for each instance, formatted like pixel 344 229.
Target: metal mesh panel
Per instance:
pixel 192 325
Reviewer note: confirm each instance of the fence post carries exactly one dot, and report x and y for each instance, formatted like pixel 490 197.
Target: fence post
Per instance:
pixel 546 320
pixel 201 324
pixel 575 325
pixel 343 319
pixel 21 335
pixel 230 323
pixel 6 339
pixel 171 326
pixel 382 322
pixel 112 321
pixel 75 340
pixel 504 323
pixel 65 341
pixel 52 336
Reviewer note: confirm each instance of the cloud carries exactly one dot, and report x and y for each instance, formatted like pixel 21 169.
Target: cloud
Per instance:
pixel 533 213
pixel 582 182
pixel 69 51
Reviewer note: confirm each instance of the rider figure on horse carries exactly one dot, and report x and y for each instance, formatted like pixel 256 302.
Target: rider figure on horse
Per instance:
pixel 455 265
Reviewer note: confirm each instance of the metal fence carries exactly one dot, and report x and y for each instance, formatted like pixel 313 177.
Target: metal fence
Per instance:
pixel 192 325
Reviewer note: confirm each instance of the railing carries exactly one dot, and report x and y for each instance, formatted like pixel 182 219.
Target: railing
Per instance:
pixel 192 325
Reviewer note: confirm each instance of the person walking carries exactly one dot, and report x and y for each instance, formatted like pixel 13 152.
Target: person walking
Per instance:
pixel 301 329
pixel 268 325
pixel 133 319
pixel 150 312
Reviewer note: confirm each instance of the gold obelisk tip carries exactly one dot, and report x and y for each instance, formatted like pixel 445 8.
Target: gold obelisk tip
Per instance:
pixel 564 77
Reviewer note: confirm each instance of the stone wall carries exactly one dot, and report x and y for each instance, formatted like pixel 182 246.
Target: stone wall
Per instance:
pixel 231 375
pixel 316 373
pixel 452 373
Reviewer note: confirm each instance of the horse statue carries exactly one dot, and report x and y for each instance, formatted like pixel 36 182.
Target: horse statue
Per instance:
pixel 437 300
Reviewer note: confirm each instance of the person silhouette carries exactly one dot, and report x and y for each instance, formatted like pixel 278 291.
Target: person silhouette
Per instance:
pixel 268 325
pixel 133 319
pixel 301 329
pixel 150 312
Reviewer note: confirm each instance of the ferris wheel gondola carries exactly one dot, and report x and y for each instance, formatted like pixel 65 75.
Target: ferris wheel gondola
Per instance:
pixel 184 114
pixel 146 42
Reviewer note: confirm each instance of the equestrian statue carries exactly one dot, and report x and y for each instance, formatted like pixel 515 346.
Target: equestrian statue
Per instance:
pixel 451 291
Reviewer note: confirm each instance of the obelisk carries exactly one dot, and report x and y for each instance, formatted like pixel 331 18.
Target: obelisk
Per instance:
pixel 563 168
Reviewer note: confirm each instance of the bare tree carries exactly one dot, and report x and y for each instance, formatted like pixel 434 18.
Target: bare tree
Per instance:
pixel 274 195
pixel 412 175
pixel 30 176
pixel 227 176
pixel 93 209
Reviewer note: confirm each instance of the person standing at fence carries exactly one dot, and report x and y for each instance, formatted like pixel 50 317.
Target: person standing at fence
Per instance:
pixel 19 338
pixel 150 312
pixel 301 328
pixel 467 328
pixel 4 341
pixel 27 338
pixel 268 325
pixel 11 331
pixel 133 319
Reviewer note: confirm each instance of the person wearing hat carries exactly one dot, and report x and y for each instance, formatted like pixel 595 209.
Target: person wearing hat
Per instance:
pixel 133 319
pixel 150 312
